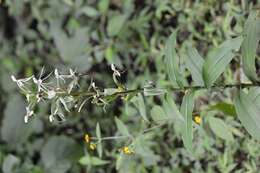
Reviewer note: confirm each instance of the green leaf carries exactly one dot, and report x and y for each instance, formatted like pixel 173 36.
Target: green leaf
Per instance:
pixel 153 91
pixel 218 60
pixel 226 108
pixel 248 113
pixel 141 107
pixel 115 24
pixel 94 161
pixel 158 114
pixel 121 127
pixel 73 50
pixel 254 94
pixel 172 109
pixel 10 163
pixel 13 130
pixel 89 11
pixel 172 62
pixel 195 63
pixel 103 6
pixel 99 144
pixel 220 129
pixel 58 153
pixel 186 110
pixel 110 91
pixel 250 44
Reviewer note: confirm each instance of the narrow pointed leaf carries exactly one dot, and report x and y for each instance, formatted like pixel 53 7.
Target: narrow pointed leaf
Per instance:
pixel 158 114
pixel 172 62
pixel 141 107
pixel 186 110
pixel 250 44
pixel 218 60
pixel 248 114
pixel 194 63
pixel 220 129
pixel 121 127
pixel 254 94
pixel 226 108
pixel 172 109
pixel 99 144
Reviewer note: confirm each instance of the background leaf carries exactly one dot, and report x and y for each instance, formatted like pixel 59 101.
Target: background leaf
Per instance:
pixel 115 24
pixel 248 113
pixel 186 110
pixel 219 127
pixel 141 106
pixel 158 114
pixel 226 108
pixel 250 44
pixel 194 63
pixel 10 163
pixel 91 160
pixel 14 131
pixel 99 144
pixel 172 61
pixel 121 127
pixel 58 154
pixel 218 60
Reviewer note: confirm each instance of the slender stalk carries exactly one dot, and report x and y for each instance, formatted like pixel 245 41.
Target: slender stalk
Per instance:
pixel 196 87
pixel 130 136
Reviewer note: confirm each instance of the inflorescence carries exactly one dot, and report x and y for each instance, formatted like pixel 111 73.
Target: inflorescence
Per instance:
pixel 64 92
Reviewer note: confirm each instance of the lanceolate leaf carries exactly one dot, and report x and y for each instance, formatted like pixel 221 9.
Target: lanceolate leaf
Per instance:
pixel 195 63
pixel 218 60
pixel 172 62
pixel 186 110
pixel 254 94
pixel 250 44
pixel 219 127
pixel 158 114
pixel 248 113
pixel 141 107
pixel 226 108
pixel 172 109
pixel 121 127
pixel 99 144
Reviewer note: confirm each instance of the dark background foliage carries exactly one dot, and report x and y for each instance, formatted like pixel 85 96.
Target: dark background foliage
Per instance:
pixel 89 35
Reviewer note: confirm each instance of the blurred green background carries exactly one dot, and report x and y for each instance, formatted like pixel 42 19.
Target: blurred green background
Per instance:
pixel 89 35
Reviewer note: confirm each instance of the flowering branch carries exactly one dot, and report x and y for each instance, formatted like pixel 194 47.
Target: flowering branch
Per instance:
pixel 66 94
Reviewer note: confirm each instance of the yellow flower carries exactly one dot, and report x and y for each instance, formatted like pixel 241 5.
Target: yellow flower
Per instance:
pixel 126 150
pixel 87 138
pixel 197 119
pixel 92 146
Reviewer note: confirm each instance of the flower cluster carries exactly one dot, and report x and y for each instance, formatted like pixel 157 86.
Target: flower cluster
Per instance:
pixel 87 139
pixel 126 150
pixel 57 90
pixel 64 93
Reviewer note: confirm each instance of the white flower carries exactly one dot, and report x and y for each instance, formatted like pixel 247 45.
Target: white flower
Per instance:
pixel 13 78
pixel 116 72
pixel 41 85
pixel 21 82
pixel 51 94
pixel 26 119
pixel 51 118
pixel 28 114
